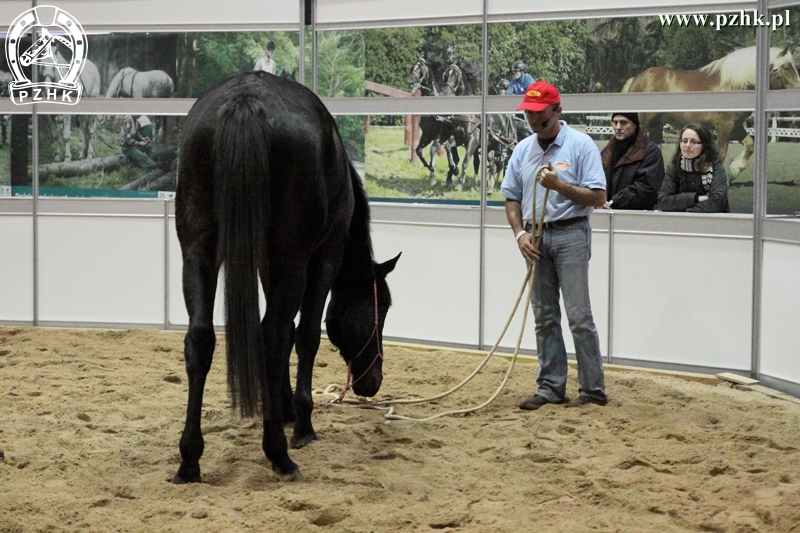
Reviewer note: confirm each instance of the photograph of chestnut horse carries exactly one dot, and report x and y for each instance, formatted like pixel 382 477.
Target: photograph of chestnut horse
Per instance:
pixel 734 72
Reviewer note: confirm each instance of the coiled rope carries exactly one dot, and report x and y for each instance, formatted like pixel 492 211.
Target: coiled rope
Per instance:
pixel 388 405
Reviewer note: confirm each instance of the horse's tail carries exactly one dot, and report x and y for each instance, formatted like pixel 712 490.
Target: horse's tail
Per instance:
pixel 627 87
pixel 113 86
pixel 241 196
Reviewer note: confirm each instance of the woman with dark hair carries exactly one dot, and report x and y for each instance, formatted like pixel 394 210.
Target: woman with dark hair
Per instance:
pixel 695 180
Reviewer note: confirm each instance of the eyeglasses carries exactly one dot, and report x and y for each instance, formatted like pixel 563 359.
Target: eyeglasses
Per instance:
pixel 691 142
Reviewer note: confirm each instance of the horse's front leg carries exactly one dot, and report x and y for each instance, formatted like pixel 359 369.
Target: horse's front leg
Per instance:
pixel 321 271
pixel 740 163
pixel 199 287
pixel 451 148
pixel 432 167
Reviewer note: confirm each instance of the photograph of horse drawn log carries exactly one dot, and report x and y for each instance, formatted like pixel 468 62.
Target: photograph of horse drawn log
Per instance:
pixel 123 154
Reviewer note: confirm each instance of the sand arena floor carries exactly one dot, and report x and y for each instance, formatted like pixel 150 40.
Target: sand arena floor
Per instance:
pixel 90 422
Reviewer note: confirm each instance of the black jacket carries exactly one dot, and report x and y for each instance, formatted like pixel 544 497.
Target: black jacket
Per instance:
pixel 681 189
pixel 635 180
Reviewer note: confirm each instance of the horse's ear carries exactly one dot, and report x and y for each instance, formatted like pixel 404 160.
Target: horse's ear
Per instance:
pixel 383 269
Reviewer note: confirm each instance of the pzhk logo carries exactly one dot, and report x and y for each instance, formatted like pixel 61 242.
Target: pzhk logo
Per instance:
pixel 59 32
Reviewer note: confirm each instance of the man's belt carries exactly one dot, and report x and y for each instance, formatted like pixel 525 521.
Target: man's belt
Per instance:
pixel 558 223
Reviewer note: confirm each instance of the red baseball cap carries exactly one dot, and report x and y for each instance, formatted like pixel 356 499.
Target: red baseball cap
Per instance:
pixel 539 95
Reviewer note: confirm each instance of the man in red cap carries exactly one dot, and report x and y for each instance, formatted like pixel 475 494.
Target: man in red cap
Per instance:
pixel 573 172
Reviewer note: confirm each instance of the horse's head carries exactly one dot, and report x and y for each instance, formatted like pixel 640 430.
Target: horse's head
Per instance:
pixel 782 72
pixel 287 74
pixel 419 75
pixel 453 80
pixel 354 323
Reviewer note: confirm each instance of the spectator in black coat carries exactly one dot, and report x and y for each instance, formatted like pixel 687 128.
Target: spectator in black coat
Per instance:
pixel 633 165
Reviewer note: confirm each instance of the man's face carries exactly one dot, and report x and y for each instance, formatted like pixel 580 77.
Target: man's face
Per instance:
pixel 268 53
pixel 623 128
pixel 517 74
pixel 544 122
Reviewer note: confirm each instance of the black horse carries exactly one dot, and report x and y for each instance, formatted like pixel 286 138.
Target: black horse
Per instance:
pixel 267 191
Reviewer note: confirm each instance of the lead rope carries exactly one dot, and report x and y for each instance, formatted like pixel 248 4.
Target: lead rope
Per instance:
pixel 388 405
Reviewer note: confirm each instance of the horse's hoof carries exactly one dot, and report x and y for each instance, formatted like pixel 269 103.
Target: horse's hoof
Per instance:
pixel 459 187
pixel 178 479
pixel 432 182
pixel 299 442
pixel 293 473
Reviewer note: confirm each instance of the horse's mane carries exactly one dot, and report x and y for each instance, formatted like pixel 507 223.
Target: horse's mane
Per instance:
pixel 437 63
pixel 472 76
pixel 737 70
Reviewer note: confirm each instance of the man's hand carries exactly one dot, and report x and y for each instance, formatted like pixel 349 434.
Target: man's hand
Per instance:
pixel 702 198
pixel 525 244
pixel 607 205
pixel 548 177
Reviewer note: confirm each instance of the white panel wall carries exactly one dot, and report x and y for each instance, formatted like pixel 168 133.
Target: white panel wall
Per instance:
pixel 683 299
pixel 101 269
pixel 162 12
pixel 10 10
pixel 505 270
pixel 780 334
pixel 353 11
pixel 177 307
pixel 16 268
pixel 497 7
pixel 435 293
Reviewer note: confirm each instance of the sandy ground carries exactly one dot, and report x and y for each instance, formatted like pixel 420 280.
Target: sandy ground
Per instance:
pixel 90 422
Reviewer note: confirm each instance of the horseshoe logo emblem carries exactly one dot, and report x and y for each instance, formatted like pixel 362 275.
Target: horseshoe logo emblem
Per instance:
pixel 61 35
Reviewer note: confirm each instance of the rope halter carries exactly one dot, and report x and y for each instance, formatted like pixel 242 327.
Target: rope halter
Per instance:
pixel 376 335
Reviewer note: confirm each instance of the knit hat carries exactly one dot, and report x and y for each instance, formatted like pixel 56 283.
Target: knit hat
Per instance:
pixel 633 117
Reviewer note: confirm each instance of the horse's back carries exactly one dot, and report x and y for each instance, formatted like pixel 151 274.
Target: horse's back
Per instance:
pixel 308 168
pixel 90 79
pixel 661 79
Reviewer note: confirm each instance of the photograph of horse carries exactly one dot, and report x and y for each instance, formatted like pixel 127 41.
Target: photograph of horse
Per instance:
pixel 131 83
pixel 501 141
pixel 432 77
pixel 251 197
pixel 734 72
pixel 61 126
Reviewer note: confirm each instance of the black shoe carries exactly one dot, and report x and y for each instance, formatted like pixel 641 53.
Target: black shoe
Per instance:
pixel 535 402
pixel 583 400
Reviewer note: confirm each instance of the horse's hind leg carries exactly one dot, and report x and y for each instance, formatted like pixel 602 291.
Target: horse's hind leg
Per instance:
pixel 199 287
pixel 286 386
pixel 67 137
pixel 321 271
pixel 89 133
pixel 284 292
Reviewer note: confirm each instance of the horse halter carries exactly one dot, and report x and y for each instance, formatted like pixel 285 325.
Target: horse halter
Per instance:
pixel 453 72
pixel 376 334
pixel 420 75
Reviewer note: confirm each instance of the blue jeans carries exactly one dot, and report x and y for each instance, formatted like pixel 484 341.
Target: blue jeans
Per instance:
pixel 564 266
